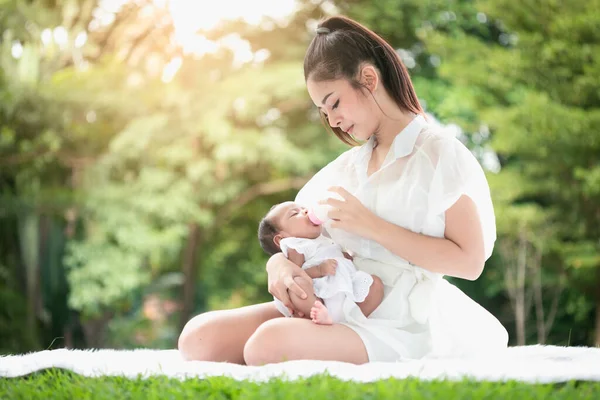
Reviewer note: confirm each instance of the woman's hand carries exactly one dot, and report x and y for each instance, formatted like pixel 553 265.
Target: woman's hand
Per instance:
pixel 281 273
pixel 350 214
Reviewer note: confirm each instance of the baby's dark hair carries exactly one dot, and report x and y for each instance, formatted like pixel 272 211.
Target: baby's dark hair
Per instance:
pixel 267 230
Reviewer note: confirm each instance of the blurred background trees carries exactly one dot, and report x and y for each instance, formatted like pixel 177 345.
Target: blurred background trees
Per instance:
pixel 141 142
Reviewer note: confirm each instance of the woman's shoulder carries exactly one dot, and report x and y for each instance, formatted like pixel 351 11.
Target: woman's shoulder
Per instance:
pixel 435 136
pixel 437 142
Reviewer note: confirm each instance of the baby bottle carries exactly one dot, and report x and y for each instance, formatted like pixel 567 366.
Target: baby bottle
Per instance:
pixel 318 212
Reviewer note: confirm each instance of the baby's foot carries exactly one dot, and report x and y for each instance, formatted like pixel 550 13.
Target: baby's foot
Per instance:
pixel 319 314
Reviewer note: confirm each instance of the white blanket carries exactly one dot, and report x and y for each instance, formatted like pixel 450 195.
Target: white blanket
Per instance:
pixel 542 364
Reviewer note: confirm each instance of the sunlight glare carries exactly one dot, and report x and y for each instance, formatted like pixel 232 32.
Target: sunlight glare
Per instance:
pixel 191 16
pixel 205 15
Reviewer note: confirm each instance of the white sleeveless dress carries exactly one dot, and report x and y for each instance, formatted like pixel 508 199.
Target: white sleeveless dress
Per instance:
pixel 422 314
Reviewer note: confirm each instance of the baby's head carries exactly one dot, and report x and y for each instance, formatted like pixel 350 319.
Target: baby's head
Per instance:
pixel 285 220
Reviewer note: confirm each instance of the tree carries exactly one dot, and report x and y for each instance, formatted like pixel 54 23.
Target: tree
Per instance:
pixel 138 168
pixel 519 85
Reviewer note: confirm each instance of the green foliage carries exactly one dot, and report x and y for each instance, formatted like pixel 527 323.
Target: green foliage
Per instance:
pixel 14 335
pixel 536 89
pixel 126 161
pixel 520 78
pixel 105 166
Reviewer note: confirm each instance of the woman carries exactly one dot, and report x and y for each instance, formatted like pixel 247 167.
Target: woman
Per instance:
pixel 417 207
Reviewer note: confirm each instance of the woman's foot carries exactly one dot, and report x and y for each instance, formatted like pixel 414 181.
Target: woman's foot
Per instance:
pixel 320 315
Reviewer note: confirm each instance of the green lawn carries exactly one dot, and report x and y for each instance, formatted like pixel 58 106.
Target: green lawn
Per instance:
pixel 58 384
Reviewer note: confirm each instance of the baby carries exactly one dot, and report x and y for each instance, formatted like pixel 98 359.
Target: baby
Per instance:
pixel 287 228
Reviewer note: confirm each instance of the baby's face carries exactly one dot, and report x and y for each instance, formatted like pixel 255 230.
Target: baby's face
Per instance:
pixel 293 221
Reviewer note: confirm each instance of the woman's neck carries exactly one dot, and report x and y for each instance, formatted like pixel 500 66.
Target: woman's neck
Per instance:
pixel 392 119
pixel 391 125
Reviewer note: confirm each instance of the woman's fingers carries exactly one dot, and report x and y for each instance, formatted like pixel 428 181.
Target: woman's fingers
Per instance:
pixel 294 287
pixel 337 225
pixel 335 214
pixel 283 296
pixel 302 273
pixel 342 192
pixel 335 203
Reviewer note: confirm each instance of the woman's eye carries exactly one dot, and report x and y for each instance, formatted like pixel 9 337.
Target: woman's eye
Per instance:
pixel 335 105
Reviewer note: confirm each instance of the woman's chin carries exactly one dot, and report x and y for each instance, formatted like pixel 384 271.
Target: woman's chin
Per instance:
pixel 360 137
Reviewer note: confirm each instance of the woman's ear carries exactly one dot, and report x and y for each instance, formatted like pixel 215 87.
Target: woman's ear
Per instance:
pixel 369 77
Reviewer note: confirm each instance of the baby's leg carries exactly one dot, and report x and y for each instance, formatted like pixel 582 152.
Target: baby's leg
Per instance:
pixel 374 298
pixel 331 312
pixel 304 305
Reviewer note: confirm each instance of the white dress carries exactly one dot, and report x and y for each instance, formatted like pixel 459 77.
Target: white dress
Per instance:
pixel 333 289
pixel 425 173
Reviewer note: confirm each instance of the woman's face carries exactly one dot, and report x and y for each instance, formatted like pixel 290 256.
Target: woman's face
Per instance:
pixel 352 110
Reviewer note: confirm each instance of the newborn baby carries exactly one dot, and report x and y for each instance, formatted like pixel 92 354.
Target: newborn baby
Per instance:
pixel 287 228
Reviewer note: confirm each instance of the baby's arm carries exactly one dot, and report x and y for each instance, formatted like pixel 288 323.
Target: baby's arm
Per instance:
pixel 327 267
pixel 298 259
pixel 295 257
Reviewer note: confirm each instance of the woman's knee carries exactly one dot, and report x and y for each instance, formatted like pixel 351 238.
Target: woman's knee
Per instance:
pixel 266 344
pixel 199 339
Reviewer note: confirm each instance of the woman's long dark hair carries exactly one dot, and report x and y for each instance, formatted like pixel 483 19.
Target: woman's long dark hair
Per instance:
pixel 339 49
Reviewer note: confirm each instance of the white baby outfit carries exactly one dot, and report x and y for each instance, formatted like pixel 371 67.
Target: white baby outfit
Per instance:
pixel 333 289
pixel 425 173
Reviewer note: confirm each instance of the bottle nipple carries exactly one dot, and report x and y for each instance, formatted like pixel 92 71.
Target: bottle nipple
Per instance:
pixel 313 217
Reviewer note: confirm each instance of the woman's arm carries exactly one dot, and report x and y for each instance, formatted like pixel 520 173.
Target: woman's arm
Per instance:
pixel 281 273
pixel 460 253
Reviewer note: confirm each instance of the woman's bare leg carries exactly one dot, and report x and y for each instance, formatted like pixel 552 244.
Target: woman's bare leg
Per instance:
pixel 222 335
pixel 374 298
pixel 286 339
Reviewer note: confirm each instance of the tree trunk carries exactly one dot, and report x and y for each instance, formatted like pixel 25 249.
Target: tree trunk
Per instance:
pixel 94 330
pixel 539 303
pixel 43 253
pixel 520 311
pixel 553 310
pixel 29 246
pixel 190 273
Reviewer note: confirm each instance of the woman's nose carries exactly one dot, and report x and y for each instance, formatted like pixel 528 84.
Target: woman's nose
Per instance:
pixel 334 120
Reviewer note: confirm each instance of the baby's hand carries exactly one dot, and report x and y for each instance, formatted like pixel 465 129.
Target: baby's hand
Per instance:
pixel 328 267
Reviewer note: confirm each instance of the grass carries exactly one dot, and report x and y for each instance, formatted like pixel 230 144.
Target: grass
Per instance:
pixel 60 384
